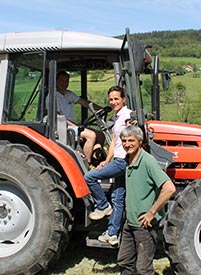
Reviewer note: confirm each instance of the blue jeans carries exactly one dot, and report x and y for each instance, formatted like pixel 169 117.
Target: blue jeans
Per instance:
pixel 115 168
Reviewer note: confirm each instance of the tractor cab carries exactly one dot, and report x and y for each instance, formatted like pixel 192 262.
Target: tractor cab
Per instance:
pixel 30 85
pixel 94 64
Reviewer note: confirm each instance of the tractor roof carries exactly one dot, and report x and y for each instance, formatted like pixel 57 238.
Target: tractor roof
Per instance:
pixel 56 40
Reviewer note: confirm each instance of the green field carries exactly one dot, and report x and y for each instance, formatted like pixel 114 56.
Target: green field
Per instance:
pixel 186 107
pixel 184 60
pixel 97 91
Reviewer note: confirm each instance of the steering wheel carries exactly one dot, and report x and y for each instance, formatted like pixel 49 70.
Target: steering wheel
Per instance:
pixel 93 119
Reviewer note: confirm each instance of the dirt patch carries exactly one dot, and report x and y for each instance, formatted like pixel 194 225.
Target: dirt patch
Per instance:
pixel 81 260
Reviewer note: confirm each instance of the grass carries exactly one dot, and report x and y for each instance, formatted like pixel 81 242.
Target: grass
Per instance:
pixel 81 260
pixel 189 107
pixel 185 60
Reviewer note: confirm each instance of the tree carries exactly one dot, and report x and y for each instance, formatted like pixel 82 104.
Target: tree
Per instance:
pixel 96 75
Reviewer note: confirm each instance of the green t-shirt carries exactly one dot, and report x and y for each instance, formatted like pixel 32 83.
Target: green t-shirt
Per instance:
pixel 143 181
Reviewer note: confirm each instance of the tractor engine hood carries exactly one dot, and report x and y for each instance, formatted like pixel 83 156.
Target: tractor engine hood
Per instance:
pixel 184 142
pixel 174 128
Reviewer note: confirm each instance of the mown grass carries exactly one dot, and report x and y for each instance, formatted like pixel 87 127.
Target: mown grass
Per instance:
pixel 81 260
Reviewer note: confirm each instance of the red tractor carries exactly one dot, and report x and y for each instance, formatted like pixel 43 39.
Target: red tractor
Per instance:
pixel 43 195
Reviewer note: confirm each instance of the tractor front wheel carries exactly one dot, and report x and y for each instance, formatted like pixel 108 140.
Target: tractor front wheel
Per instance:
pixel 35 216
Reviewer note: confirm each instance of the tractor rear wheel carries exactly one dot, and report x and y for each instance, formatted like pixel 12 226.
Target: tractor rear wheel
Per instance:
pixel 182 231
pixel 35 217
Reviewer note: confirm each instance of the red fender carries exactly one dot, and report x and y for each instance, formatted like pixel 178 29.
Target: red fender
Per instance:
pixel 66 161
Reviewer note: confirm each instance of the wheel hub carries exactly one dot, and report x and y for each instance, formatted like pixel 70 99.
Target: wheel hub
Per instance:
pixel 3 211
pixel 16 218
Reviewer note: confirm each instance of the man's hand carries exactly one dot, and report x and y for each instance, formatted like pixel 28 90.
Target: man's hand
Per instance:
pixel 167 190
pixel 145 219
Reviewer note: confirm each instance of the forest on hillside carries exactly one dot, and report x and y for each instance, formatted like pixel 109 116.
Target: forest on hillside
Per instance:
pixel 181 43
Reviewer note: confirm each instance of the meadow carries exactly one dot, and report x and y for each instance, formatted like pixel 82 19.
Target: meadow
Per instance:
pixel 184 105
pixel 81 260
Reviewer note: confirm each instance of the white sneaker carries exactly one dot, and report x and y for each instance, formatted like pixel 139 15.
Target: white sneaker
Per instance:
pixel 98 214
pixel 105 237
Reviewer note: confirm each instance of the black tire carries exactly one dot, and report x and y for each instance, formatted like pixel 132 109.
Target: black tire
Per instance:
pixel 35 217
pixel 182 231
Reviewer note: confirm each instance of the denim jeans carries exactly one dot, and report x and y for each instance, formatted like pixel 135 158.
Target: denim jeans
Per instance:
pixel 115 168
pixel 137 249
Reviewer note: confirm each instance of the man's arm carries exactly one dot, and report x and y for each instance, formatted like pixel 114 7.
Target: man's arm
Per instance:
pixel 85 104
pixel 68 121
pixel 168 189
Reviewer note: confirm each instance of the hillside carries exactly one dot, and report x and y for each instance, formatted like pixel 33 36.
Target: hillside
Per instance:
pixel 181 43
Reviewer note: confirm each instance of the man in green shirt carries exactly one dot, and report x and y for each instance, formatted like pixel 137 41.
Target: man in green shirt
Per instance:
pixel 148 188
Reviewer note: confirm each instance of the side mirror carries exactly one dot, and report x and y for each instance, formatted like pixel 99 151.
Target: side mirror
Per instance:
pixel 165 80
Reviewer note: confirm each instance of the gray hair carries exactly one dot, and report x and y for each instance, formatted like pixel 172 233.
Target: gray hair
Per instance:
pixel 132 130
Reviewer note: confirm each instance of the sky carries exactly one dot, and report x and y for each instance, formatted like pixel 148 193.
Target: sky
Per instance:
pixel 107 17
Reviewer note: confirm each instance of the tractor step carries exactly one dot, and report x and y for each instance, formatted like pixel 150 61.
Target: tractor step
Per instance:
pixel 92 241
